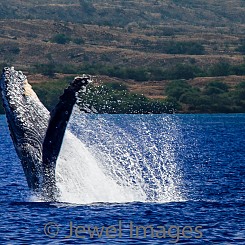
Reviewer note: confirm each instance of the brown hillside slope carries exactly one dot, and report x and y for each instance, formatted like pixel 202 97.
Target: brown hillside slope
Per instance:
pixel 123 33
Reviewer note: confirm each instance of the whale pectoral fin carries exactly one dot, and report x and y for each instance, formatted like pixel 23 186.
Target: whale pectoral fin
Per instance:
pixel 27 120
pixel 57 125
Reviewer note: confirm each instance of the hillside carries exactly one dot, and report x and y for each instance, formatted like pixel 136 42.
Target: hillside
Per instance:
pixel 121 32
pixel 151 41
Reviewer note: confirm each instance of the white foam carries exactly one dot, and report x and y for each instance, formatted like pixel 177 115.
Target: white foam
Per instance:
pixel 80 178
pixel 111 165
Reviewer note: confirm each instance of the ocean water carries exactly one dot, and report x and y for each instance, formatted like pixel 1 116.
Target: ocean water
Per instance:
pixel 133 179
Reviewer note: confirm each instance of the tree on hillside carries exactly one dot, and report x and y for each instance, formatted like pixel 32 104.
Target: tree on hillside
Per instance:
pixel 60 39
pixel 216 87
pixel 182 71
pixel 241 90
pixel 220 69
pixel 241 48
pixel 175 89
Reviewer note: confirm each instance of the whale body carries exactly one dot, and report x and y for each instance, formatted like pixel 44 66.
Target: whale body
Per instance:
pixel 36 133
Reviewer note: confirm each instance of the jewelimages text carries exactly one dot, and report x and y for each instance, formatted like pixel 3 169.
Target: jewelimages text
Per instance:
pixel 123 229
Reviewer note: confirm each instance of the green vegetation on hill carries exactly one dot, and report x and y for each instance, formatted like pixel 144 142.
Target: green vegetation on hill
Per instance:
pixel 241 47
pixel 173 47
pixel 64 39
pixel 113 98
pixel 216 97
pixel 178 71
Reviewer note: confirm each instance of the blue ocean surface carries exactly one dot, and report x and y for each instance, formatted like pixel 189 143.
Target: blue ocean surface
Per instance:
pixel 190 169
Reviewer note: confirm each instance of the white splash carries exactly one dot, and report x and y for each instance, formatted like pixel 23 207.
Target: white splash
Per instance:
pixel 107 163
pixel 80 178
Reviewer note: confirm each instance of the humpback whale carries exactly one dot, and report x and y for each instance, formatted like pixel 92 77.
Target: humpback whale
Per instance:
pixel 36 133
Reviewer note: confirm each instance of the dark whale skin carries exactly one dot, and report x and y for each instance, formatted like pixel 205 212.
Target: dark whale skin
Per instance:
pixel 37 135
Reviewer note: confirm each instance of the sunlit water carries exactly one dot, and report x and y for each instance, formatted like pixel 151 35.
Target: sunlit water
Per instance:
pixel 134 170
